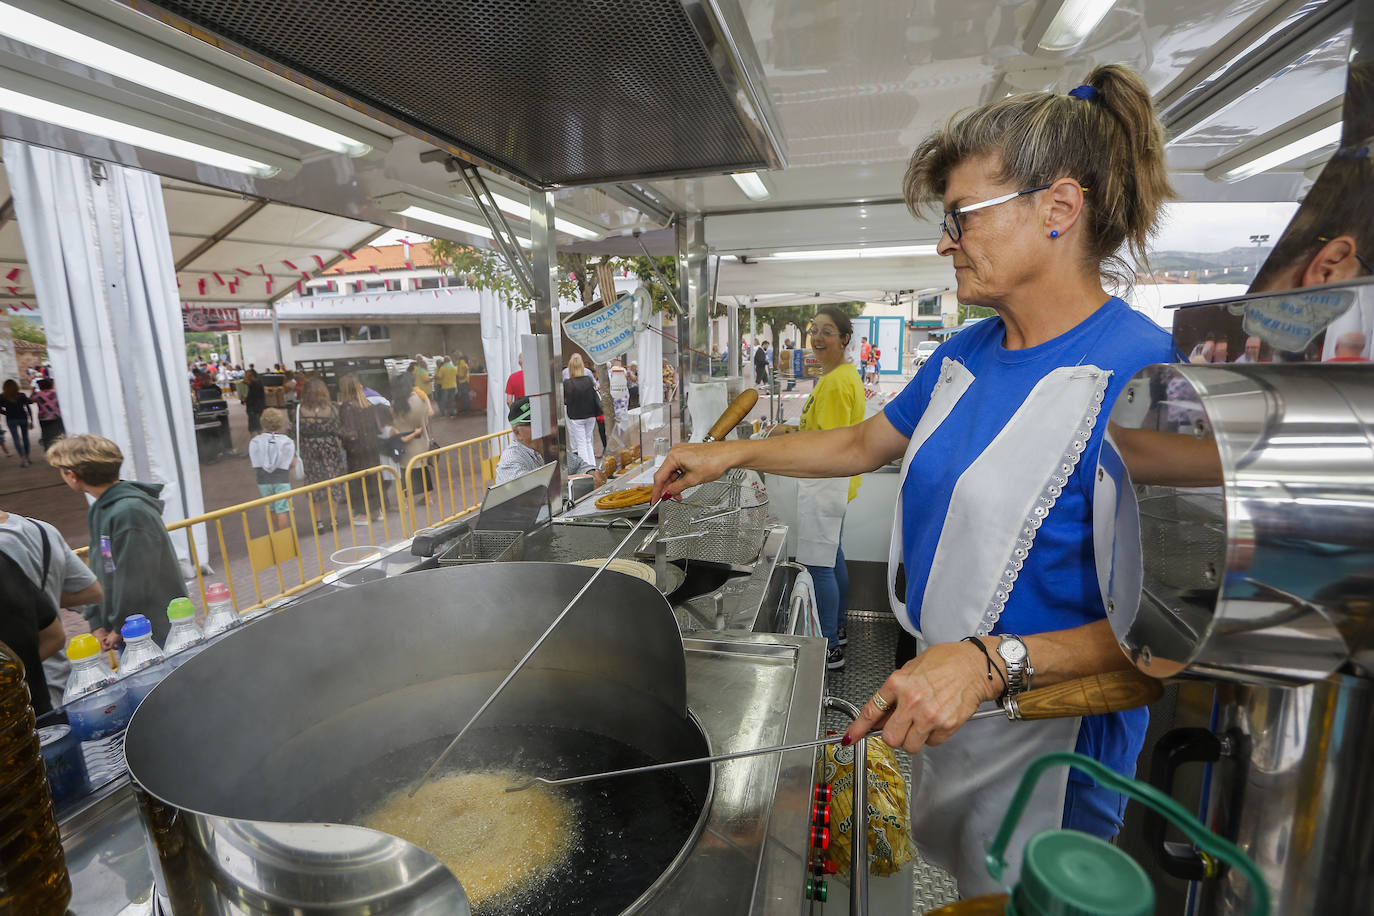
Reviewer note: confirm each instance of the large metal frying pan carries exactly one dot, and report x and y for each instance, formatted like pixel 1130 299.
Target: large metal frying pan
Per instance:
pixel 316 712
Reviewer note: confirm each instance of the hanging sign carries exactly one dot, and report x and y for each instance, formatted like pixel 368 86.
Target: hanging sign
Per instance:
pixel 609 331
pixel 202 319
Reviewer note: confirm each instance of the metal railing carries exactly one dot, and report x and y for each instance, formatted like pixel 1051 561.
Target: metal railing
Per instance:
pixel 438 478
pixel 345 511
pixel 277 547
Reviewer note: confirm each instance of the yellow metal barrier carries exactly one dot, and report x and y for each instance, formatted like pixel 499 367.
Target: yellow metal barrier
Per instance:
pixel 274 549
pixel 452 483
pixel 464 485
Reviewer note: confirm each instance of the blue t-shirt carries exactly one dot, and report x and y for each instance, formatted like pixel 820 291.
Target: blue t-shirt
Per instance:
pixel 1056 588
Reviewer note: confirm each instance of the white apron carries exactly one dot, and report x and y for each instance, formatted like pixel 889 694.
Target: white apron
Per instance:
pixel 961 789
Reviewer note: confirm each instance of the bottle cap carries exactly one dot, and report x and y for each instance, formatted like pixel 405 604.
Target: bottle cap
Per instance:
pixel 217 591
pixel 180 609
pixel 135 625
pixel 82 647
pixel 1068 873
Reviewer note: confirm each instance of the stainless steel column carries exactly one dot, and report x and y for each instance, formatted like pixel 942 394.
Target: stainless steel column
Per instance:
pixel 544 318
pixel 690 235
pixel 732 339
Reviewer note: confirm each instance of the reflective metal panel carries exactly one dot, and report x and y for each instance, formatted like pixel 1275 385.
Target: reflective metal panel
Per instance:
pixel 1292 789
pixel 1263 579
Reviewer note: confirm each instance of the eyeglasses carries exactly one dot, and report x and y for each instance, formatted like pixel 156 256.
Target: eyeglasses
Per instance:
pixel 1361 259
pixel 827 332
pixel 951 226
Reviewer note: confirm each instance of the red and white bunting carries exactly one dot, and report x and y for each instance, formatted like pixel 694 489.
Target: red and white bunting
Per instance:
pixel 246 273
pixel 201 285
pixel 318 261
pixel 289 264
pixel 218 278
pixel 348 254
pixel 12 275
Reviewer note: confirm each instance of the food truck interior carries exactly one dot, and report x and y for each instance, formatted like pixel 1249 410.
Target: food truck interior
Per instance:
pixel 761 144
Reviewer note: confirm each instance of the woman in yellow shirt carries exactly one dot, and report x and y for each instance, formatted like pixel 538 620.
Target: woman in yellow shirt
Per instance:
pixel 836 400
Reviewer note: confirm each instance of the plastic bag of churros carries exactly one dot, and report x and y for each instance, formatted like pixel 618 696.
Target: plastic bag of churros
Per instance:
pixel 889 817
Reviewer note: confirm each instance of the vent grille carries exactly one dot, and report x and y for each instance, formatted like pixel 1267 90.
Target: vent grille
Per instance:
pixel 556 92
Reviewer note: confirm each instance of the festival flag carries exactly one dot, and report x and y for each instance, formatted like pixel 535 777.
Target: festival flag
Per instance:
pixel 14 290
pixel 300 288
pixel 13 274
pixel 373 268
pixel 201 284
pixel 262 269
pixel 218 278
pixel 348 254
pixel 233 285
pixel 305 276
pixel 410 265
pixel 289 264
pixel 246 273
pixel 269 286
pixel 319 261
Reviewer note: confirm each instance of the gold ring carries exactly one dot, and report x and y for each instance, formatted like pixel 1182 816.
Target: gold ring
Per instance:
pixel 878 701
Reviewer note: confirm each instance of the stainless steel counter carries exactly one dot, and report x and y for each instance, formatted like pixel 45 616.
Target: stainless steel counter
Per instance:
pixel 748 690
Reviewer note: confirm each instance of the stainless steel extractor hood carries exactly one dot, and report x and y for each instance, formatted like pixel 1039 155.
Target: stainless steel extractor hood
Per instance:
pixel 551 93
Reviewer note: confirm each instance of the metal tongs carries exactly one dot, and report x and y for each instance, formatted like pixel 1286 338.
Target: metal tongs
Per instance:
pixel 728 420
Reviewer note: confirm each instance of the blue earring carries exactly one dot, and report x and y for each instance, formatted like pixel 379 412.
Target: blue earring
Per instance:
pixel 1054 233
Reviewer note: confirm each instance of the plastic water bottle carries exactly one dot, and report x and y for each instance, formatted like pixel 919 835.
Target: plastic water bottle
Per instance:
pixel 141 663
pixel 184 639
pixel 97 708
pixel 220 614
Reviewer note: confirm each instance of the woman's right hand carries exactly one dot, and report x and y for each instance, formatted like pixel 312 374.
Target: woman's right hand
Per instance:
pixel 688 464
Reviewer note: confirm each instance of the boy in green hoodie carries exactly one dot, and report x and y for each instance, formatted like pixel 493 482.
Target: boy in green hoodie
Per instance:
pixel 131 555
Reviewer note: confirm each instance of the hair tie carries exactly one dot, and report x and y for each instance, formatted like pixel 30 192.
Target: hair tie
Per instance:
pixel 1086 93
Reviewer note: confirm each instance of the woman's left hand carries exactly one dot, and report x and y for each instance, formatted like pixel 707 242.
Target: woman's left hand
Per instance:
pixel 929 698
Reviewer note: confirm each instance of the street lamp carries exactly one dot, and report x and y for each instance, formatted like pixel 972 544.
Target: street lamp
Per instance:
pixel 1257 241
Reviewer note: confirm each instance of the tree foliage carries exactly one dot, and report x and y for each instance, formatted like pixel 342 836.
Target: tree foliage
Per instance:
pixel 779 317
pixel 32 331
pixel 488 270
pixel 974 311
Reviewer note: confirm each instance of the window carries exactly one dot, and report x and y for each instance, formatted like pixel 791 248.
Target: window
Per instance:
pixel 367 332
pixel 928 307
pixel 359 333
pixel 429 282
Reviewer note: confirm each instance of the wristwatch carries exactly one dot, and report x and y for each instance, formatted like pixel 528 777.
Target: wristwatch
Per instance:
pixel 1019 671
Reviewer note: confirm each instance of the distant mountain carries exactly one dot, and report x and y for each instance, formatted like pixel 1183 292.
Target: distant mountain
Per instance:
pixel 1213 263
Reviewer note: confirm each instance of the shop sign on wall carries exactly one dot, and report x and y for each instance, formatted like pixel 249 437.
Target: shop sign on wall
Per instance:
pixel 203 319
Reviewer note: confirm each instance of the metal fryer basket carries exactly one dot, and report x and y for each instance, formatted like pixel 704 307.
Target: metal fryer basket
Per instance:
pixel 724 521
pixel 485 547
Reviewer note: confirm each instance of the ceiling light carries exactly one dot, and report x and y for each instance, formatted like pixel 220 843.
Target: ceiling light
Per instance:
pixel 43 101
pixel 834 254
pixel 120 52
pixel 1067 27
pixel 1286 38
pixel 403 204
pixel 751 184
pixel 521 210
pixel 1293 141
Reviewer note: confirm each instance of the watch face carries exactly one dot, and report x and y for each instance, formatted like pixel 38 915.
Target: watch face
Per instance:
pixel 1013 650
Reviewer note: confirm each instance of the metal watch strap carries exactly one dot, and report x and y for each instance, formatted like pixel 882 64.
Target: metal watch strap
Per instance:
pixel 1019 671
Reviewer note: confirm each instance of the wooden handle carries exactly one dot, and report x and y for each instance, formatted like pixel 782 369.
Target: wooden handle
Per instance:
pixel 1090 696
pixel 739 408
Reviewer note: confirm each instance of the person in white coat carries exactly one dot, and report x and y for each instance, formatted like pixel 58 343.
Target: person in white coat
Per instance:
pixel 999 435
